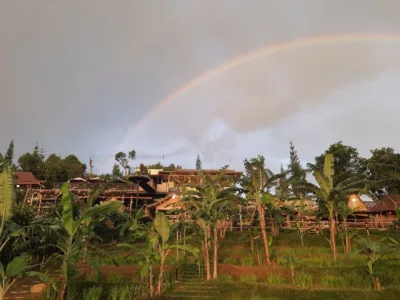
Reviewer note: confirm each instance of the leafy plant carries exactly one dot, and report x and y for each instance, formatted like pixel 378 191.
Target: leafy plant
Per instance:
pixel 71 243
pixel 17 268
pixel 375 251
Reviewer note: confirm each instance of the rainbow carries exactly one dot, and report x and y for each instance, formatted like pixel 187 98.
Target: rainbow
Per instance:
pixel 264 51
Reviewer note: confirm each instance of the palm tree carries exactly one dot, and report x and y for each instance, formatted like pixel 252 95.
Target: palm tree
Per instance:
pixel 329 195
pixel 257 183
pixel 209 203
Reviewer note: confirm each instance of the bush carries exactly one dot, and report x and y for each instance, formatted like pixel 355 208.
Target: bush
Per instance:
pixel 23 214
pixel 334 281
pixel 109 229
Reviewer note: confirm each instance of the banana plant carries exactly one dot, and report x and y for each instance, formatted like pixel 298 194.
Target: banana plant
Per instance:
pixel 375 251
pixel 18 267
pixel 71 244
pixel 161 236
pixel 7 200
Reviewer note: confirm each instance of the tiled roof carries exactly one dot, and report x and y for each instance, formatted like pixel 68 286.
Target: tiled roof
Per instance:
pixel 26 178
pixel 387 203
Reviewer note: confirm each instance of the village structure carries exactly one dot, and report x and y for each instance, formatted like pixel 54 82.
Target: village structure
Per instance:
pixel 161 190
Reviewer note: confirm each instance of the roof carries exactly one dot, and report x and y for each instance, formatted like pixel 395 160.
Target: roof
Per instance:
pixel 195 172
pixel 77 179
pixel 387 203
pixel 26 178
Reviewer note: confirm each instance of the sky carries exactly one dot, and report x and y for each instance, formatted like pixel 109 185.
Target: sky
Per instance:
pixel 88 77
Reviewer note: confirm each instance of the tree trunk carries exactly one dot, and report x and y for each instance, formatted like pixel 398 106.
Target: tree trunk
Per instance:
pixel 347 238
pixel 62 290
pixel 273 229
pixel 332 226
pixel 151 288
pixel 264 233
pixel 293 276
pixel 240 218
pixel 206 254
pixel 377 283
pixel 215 263
pixel 160 276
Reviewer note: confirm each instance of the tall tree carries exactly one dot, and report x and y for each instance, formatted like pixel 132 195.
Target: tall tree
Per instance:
pixel 33 162
pixel 297 175
pixel 198 162
pixel 383 167
pixel 73 166
pixel 123 159
pixel 9 155
pixel 347 162
pixel 116 172
pixel 54 169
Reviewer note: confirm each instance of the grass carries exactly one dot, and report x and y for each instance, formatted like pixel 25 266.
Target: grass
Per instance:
pixel 93 293
pixel 249 278
pixel 276 279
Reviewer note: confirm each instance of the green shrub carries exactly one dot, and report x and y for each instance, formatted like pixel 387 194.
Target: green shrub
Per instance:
pixel 93 293
pixel 250 278
pixel 225 278
pixel 277 279
pixel 230 261
pixel 247 261
pixel 304 280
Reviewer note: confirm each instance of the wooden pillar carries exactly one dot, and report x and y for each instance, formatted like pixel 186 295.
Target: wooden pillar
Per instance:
pixel 130 204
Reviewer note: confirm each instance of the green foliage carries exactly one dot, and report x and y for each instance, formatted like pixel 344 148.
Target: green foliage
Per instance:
pixel 109 229
pixel 383 167
pixel 7 196
pixel 225 278
pixel 276 279
pixel 247 261
pixel 123 159
pixel 249 278
pixel 122 292
pixel 198 162
pixel 33 162
pixel 9 155
pixel 230 260
pixel 304 280
pixel 170 167
pixel 347 162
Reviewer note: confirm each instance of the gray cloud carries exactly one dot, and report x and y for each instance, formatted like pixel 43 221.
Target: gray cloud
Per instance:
pixel 74 74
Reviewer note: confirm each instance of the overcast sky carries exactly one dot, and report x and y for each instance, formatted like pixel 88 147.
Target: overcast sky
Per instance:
pixel 79 76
